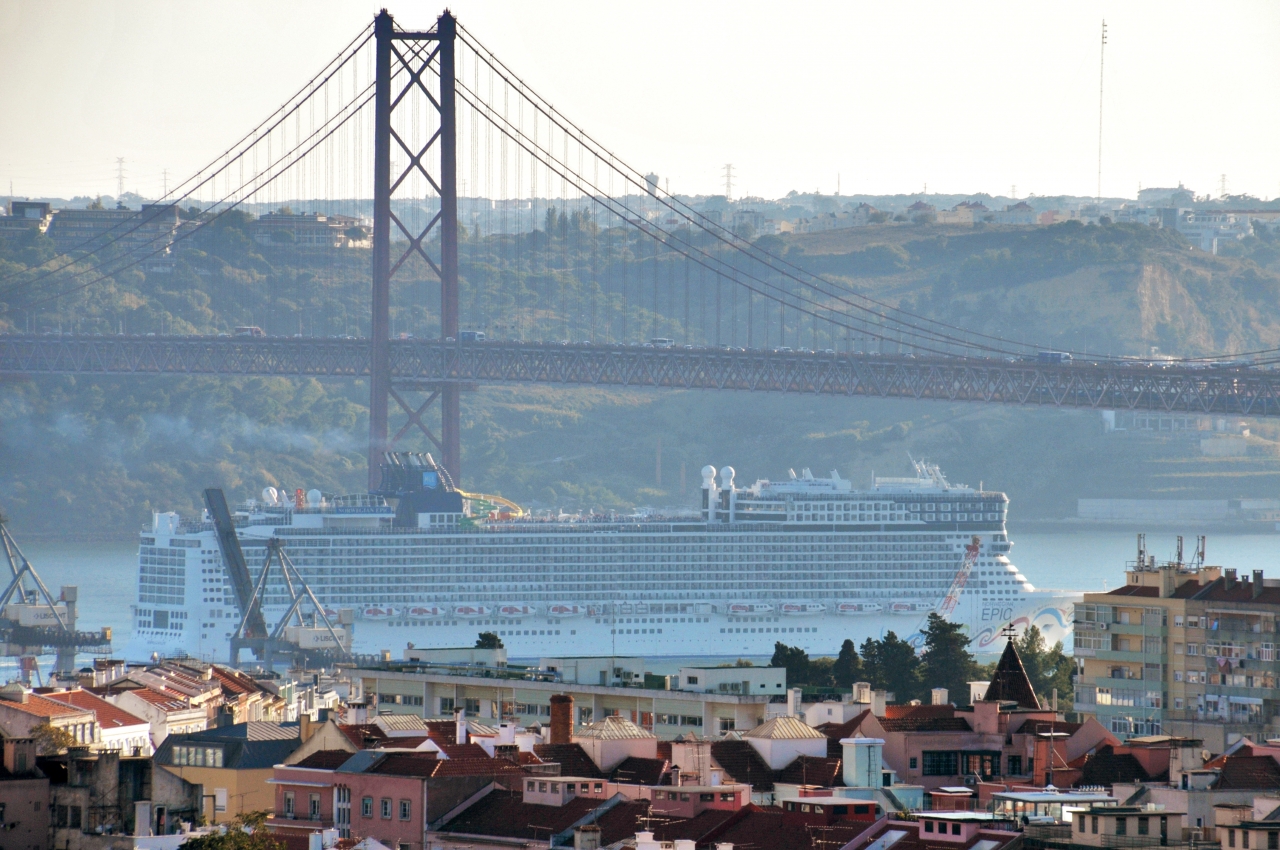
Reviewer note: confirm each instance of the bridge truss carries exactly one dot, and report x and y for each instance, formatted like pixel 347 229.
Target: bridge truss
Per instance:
pixel 433 366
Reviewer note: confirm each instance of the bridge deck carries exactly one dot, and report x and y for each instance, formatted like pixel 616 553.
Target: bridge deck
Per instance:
pixel 1103 385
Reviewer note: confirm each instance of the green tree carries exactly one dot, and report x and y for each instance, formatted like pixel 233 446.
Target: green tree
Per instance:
pixel 52 740
pixel 795 659
pixel 891 664
pixel 946 661
pixel 488 640
pixel 848 666
pixel 246 832
pixel 1047 667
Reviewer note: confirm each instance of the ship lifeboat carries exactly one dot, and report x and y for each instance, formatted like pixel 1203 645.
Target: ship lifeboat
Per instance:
pixel 515 610
pixel 421 611
pixel 854 608
pixel 377 612
pixel 472 612
pixel 803 609
pixel 750 608
pixel 561 609
pixel 905 607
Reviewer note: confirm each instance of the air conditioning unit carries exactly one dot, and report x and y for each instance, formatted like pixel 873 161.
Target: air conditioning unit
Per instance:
pixel 1102 626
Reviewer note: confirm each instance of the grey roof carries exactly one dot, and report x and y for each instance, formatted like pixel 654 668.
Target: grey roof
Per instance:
pixel 361 760
pixel 245 746
pixel 254 730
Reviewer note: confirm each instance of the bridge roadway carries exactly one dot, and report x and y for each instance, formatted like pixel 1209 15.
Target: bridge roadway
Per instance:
pixel 1104 386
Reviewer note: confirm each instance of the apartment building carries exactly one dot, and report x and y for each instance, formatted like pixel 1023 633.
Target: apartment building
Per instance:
pixel 1182 649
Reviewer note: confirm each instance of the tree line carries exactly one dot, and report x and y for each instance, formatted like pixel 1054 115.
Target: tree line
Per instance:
pixel 892 664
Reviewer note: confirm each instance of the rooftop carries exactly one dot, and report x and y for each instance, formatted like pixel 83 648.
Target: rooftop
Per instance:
pixel 784 727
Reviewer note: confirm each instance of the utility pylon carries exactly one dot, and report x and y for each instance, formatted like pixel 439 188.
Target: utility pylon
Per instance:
pixel 406 63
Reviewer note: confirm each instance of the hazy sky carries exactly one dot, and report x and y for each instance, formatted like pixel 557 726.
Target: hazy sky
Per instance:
pixel 887 96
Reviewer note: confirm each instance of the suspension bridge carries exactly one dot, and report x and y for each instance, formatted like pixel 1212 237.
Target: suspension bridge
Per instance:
pixel 556 239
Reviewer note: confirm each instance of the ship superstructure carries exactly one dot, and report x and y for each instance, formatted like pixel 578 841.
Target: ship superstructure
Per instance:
pixel 807 561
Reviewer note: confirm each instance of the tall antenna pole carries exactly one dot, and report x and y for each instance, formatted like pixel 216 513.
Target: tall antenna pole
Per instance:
pixel 728 181
pixel 119 179
pixel 1102 65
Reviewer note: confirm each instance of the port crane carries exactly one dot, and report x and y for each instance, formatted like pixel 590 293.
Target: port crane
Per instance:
pixel 34 623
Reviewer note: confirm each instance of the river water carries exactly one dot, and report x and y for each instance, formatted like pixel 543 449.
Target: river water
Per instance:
pixel 1086 560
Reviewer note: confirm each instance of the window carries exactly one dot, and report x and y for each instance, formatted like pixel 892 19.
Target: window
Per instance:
pixel 288 804
pixel 1093 825
pixel 1122 826
pixel 406 809
pixel 530 785
pixel 928 826
pixel 313 808
pixel 1231 838
pixel 219 799
pixel 74 822
pixel 940 762
pixel 366 807
pixel 1015 766
pixel 386 808
pixel 913 763
pixel 1144 826
pixel 1273 841
pixel 955 828
pixel 1081 822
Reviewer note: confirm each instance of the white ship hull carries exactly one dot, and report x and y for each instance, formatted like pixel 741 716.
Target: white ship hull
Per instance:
pixel 773 563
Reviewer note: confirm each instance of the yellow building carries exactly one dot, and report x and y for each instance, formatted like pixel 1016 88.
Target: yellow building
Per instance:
pixel 233 763
pixel 1182 649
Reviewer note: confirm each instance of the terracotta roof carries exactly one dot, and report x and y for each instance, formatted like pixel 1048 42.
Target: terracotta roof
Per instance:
pixel 443 731
pixel 324 760
pixel 109 717
pixel 405 764
pixel 363 734
pixel 1009 682
pixel 168 702
pixel 925 724
pixel 1240 591
pixel 1240 773
pixel 40 706
pixel 1107 767
pixel 743 764
pixel 764 828
pixel 504 813
pixel 698 828
pixel 1134 590
pixel 1037 727
pixel 783 728
pixel 573 760
pixel 811 770
pixel 895 712
pixel 458 751
pixel 642 771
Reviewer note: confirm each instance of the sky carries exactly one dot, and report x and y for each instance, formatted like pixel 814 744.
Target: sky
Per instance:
pixel 874 98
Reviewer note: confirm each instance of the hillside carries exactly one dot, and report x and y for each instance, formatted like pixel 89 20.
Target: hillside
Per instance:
pixel 97 456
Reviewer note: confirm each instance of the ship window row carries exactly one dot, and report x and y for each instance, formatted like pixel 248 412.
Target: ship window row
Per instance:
pixel 748 547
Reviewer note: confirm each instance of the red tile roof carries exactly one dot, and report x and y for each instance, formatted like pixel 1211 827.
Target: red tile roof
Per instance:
pixel 810 770
pixel 504 813
pixel 743 764
pixel 764 828
pixel 926 724
pixel 1134 590
pixel 364 735
pixel 40 706
pixel 324 760
pixel 642 771
pixel 109 717
pixel 461 751
pixel 918 711
pixel 168 702
pixel 573 760
pixel 1240 773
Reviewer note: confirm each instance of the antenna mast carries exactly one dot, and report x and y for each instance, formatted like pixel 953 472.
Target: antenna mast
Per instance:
pixel 728 181
pixel 1102 64
pixel 119 180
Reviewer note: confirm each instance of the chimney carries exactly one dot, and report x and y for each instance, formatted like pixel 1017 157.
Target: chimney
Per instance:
pixel 794 696
pixel 938 696
pixel 460 725
pixel 304 727
pixel 1257 583
pixel 561 718
pixel 586 837
pixel 1230 581
pixel 19 755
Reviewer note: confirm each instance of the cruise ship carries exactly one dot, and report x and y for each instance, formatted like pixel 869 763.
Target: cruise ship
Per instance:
pixel 807 561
